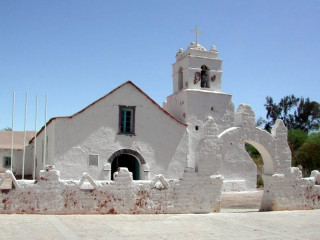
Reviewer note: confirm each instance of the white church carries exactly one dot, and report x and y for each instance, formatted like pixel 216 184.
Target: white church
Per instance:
pixel 124 153
pixel 126 128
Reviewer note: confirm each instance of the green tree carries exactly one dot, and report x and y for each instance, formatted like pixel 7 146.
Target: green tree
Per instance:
pixel 257 159
pixel 302 117
pixel 296 138
pixel 308 155
pixel 296 113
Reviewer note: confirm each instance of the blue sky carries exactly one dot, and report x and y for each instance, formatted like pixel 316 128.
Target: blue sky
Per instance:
pixel 78 51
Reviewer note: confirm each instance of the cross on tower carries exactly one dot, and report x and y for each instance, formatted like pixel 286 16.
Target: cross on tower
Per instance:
pixel 196 31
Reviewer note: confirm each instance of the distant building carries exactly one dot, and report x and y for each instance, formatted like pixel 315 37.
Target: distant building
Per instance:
pixel 5 152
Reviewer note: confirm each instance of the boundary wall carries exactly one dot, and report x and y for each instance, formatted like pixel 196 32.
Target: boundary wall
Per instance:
pixel 50 195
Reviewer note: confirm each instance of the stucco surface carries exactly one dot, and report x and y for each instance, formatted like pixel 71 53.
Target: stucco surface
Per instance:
pixel 50 195
pixel 95 131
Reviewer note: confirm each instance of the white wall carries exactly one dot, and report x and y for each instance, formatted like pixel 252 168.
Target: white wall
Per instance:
pixel 161 140
pixel 50 195
pixel 17 162
pixel 194 107
pixel 42 158
pixel 6 153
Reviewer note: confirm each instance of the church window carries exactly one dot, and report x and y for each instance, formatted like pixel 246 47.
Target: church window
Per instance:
pixel 126 120
pixel 6 161
pixel 93 160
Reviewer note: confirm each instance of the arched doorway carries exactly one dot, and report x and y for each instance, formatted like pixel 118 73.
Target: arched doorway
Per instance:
pixel 128 161
pixel 265 144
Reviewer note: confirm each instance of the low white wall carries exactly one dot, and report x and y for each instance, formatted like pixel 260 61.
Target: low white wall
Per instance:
pixel 290 191
pixel 50 195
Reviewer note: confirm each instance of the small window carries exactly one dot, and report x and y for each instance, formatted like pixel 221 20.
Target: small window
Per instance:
pixel 126 120
pixel 6 161
pixel 93 159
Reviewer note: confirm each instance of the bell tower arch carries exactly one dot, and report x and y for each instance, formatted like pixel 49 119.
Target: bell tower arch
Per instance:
pixel 197 68
pixel 197 94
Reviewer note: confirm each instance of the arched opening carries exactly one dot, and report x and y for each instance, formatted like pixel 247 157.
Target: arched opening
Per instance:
pixel 128 161
pixel 204 77
pixel 180 78
pixel 266 157
pixel 258 160
pixel 262 142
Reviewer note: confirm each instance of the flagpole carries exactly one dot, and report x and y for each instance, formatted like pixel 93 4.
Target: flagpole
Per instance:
pixel 13 106
pixel 35 140
pixel 45 133
pixel 24 139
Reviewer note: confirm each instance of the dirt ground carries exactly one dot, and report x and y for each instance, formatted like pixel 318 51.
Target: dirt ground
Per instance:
pixel 241 200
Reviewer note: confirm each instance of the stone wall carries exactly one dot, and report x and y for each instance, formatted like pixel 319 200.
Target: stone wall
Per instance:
pixel 284 187
pixel 290 192
pixel 50 195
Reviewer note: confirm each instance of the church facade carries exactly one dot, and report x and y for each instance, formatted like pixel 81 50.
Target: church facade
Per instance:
pixel 126 128
pixel 126 154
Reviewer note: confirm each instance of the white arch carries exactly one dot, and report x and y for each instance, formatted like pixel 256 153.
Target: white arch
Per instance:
pixel 260 139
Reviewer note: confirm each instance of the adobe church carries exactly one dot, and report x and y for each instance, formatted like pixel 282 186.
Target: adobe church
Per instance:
pixel 125 154
pixel 126 128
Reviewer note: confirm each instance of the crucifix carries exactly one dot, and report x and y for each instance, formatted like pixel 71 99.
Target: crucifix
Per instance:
pixel 196 32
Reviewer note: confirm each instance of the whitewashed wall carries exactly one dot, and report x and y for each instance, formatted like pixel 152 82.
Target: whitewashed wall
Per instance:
pixel 44 154
pixel 50 195
pixel 194 107
pixel 17 162
pixel 7 153
pixel 195 192
pixel 160 139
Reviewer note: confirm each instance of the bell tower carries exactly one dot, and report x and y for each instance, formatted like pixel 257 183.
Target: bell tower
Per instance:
pixel 197 68
pixel 197 95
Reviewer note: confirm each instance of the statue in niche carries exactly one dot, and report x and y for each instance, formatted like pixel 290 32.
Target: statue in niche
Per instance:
pixel 204 77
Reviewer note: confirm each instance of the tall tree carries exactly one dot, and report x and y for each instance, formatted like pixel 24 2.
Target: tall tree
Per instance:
pixel 296 113
pixel 296 138
pixel 308 155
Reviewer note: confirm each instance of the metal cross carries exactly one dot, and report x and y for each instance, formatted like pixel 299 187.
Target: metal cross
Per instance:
pixel 196 32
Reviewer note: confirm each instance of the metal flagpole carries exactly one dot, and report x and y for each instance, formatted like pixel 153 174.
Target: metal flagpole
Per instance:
pixel 45 133
pixel 13 105
pixel 24 139
pixel 35 140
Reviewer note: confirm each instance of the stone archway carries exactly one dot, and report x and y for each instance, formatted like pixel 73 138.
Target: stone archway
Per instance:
pixel 261 140
pixel 130 159
pixel 273 148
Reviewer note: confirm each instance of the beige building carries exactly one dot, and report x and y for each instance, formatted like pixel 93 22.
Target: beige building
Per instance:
pixel 5 152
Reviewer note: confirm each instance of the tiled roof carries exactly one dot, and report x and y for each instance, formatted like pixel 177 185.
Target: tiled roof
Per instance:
pixel 18 138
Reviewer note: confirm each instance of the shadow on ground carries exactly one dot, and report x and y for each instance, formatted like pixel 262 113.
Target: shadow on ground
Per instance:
pixel 241 201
